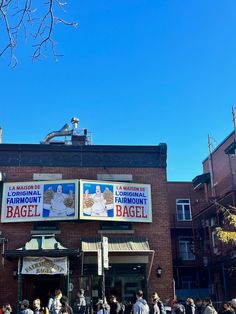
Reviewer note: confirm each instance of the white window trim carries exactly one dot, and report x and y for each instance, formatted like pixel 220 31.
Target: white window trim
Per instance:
pixel 188 256
pixel 183 211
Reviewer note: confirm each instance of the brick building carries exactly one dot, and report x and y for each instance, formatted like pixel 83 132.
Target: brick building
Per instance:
pixel 217 187
pixel 191 277
pixel 202 265
pixel 136 249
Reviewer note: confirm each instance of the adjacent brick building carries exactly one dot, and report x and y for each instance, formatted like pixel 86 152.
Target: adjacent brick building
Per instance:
pixel 202 265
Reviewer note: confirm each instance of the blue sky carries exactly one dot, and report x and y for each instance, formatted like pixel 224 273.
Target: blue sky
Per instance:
pixel 135 72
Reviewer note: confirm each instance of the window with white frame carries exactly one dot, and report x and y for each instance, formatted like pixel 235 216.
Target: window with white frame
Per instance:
pixel 186 249
pixel 183 209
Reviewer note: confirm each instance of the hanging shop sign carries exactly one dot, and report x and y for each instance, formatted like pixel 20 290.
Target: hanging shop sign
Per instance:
pixel 44 266
pixel 101 200
pixel 37 201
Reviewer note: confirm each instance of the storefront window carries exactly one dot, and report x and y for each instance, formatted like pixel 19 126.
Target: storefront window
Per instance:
pixel 121 280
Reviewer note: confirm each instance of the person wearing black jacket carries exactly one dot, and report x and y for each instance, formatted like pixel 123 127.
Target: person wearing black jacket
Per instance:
pixel 199 309
pixel 177 307
pixel 65 305
pixel 190 306
pixel 115 307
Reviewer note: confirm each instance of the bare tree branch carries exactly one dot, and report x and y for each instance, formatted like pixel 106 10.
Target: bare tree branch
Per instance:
pixel 36 24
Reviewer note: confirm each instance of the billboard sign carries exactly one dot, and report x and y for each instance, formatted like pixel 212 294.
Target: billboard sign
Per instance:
pixel 38 201
pixel 100 200
pixel 44 265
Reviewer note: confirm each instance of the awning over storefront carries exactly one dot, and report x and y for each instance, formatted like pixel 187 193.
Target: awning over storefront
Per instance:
pixel 139 245
pixel 42 245
pixel 121 244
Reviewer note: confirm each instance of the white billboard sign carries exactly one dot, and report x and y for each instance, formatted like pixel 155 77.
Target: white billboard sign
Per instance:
pixel 100 200
pixel 37 201
pixel 44 266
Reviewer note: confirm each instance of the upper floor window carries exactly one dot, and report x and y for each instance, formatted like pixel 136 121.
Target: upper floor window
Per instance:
pixel 186 249
pixel 183 209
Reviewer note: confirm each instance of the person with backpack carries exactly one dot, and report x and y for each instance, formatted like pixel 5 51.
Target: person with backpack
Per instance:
pixel 140 306
pixel 156 300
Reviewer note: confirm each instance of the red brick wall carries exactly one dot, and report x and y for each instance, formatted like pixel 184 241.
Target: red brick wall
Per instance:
pixel 157 232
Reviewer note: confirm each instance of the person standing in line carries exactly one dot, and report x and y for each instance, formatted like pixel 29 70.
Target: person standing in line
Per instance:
pixel 160 304
pixel 155 308
pixel 233 305
pixel 65 305
pixel 50 301
pixel 209 308
pixel 140 306
pixel 198 306
pixel 44 310
pixel 102 308
pixel 115 307
pixel 177 308
pixel 24 307
pixel 81 302
pixel 56 304
pixel 6 308
pixel 190 306
pixel 225 308
pixel 37 306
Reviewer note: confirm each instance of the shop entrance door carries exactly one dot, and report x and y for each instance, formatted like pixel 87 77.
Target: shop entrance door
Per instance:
pixel 42 286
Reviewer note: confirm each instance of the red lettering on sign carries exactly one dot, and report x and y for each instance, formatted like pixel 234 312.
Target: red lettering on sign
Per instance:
pixel 22 211
pixel 118 210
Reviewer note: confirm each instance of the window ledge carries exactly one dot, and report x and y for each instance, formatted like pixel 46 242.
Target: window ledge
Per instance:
pixel 112 231
pixel 45 231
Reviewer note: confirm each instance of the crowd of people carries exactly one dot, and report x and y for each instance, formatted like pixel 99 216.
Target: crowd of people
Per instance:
pixel 58 304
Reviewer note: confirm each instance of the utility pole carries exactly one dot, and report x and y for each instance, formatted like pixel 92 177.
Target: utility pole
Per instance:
pixel 234 117
pixel 103 263
pixel 210 162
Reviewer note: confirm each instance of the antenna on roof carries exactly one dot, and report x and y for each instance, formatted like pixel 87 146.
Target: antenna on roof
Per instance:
pixel 234 117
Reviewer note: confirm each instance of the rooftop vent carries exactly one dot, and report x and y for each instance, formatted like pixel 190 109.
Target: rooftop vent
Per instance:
pixel 77 136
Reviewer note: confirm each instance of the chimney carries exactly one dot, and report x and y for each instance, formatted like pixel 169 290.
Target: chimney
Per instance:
pixel 79 140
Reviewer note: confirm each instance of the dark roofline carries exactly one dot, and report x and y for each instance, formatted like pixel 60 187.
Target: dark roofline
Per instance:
pixel 84 148
pixel 51 155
